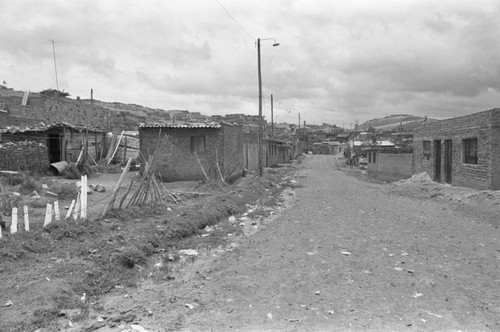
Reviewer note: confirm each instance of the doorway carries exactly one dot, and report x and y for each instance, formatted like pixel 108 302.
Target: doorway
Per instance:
pixel 437 161
pixel 54 147
pixel 448 153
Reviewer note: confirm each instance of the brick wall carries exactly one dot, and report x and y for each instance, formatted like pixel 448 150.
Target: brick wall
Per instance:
pixel 177 163
pixel 390 163
pixel 484 126
pixel 23 156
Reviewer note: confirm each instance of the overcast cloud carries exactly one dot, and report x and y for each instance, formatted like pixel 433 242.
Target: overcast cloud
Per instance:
pixel 338 61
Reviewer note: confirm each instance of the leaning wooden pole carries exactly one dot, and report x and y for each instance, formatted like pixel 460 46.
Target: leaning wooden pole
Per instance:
pixel 109 206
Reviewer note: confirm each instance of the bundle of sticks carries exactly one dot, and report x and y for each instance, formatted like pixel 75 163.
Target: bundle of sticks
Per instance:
pixel 150 189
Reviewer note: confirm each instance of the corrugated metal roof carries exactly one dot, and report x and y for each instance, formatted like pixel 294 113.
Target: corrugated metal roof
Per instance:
pixel 43 127
pixel 213 125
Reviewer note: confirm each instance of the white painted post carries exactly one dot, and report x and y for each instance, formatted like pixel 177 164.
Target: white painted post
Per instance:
pixel 57 215
pixel 71 206
pixel 48 215
pixel 83 198
pixel 26 219
pixel 13 225
pixel 77 207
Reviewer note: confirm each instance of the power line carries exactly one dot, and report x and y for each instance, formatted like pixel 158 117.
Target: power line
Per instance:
pixel 233 19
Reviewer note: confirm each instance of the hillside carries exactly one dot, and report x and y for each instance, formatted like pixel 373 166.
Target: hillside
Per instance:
pixel 395 122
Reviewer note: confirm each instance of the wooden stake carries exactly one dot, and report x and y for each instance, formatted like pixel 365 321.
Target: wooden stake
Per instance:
pixel 79 157
pixel 201 166
pixel 76 210
pixel 71 206
pixel 88 153
pixel 48 215
pixel 117 146
pixel 13 225
pixel 26 219
pixel 57 215
pixel 83 197
pixel 109 206
pixel 126 194
pixel 218 167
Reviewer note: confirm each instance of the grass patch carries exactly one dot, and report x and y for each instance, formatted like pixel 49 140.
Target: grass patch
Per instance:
pixel 65 190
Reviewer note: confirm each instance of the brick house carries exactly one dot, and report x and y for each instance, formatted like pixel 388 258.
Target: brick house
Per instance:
pixel 462 151
pixel 211 142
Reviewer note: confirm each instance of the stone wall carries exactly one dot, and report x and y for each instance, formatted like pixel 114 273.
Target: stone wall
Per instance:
pixel 23 156
pixel 79 112
pixel 485 127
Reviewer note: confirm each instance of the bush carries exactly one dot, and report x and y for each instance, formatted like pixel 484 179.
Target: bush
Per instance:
pixel 65 190
pixel 71 172
pixel 14 180
pixel 29 185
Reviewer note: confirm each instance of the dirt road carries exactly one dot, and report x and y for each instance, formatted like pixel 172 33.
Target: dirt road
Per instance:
pixel 345 255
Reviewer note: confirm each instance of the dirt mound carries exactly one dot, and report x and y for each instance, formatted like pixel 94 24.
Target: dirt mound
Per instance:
pixel 417 178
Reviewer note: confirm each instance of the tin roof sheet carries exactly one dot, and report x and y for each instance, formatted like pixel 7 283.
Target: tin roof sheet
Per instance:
pixel 213 125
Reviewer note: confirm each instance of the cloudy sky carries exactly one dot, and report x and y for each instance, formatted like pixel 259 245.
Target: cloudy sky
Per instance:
pixel 339 61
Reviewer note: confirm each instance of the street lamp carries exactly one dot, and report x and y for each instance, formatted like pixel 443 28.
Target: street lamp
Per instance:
pixel 261 139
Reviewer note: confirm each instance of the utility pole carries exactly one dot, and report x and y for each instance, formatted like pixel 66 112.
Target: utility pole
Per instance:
pixel 261 139
pixel 55 64
pixel 261 143
pixel 272 117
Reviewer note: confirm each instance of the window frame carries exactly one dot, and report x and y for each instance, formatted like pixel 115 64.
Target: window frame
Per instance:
pixel 426 149
pixel 198 144
pixel 470 149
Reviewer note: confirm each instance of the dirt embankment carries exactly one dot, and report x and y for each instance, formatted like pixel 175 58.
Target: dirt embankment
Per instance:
pixel 53 275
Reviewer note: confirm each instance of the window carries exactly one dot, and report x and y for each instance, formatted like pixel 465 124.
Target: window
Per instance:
pixel 197 144
pixel 427 149
pixel 374 157
pixel 369 158
pixel 470 150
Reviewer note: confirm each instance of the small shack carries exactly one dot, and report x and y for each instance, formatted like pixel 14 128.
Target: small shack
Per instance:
pixel 64 141
pixel 397 162
pixel 277 152
pixel 187 143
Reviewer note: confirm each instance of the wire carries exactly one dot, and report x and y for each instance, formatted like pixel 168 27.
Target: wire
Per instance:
pixel 233 19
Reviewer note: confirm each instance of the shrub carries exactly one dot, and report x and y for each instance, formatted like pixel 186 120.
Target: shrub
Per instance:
pixel 65 190
pixel 29 185
pixel 71 172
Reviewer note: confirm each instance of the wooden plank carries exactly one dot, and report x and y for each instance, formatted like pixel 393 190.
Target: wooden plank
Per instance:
pixel 48 215
pixel 13 225
pixel 116 148
pixel 26 219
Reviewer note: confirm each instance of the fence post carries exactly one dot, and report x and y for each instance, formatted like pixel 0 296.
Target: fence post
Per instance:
pixel 26 219
pixel 56 211
pixel 83 197
pixel 48 215
pixel 13 225
pixel 77 207
pixel 71 206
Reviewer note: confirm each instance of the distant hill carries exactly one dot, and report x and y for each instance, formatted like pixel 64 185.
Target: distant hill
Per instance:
pixel 403 122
